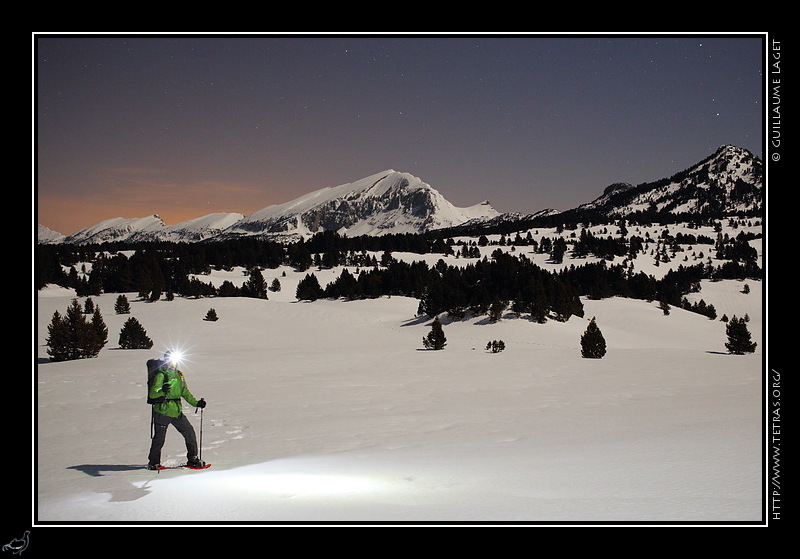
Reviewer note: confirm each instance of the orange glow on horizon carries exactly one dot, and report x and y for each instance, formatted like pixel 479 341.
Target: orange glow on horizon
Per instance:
pixel 172 203
pixel 141 192
pixel 70 216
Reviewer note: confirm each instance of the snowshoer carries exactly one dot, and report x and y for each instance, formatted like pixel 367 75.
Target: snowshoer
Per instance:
pixel 167 388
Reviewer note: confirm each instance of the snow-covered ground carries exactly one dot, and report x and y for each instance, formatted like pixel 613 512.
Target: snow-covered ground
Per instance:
pixel 331 411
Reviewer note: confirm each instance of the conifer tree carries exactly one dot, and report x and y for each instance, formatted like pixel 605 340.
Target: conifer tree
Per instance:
pixel 158 286
pixel 211 316
pixel 122 306
pixel 435 338
pixel 255 286
pixel 559 250
pixel 227 289
pixel 308 289
pixel 496 309
pixel 58 338
pixel 134 336
pixel 739 337
pixel 79 329
pixel 99 333
pixel 593 345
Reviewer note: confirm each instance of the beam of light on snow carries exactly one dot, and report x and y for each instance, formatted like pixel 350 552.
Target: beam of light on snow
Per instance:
pixel 303 484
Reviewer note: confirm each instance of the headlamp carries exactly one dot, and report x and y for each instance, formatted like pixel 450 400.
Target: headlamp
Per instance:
pixel 174 357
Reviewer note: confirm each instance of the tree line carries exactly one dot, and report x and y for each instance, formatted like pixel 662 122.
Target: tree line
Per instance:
pixel 507 281
pixel 513 283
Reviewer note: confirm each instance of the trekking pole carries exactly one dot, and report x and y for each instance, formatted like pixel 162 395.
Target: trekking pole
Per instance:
pixel 200 456
pixel 200 450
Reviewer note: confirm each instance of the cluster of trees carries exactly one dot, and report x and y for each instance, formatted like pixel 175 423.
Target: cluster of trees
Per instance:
pixel 156 270
pixel 505 282
pixel 495 346
pixel 72 336
pixel 514 283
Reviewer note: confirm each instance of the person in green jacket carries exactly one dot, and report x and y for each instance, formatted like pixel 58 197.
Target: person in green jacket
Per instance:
pixel 167 389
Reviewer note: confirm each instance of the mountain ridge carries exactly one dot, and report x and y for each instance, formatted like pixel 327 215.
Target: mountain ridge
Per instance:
pixel 727 181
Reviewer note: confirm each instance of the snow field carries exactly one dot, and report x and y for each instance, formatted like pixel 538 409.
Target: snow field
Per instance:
pixel 331 411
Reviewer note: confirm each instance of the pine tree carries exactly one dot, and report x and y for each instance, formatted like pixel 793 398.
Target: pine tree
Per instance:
pixel 308 289
pixel 496 309
pixel 738 337
pixel 435 338
pixel 559 250
pixel 122 306
pixel 58 338
pixel 211 316
pixel 256 286
pixel 134 336
pixel 593 345
pixel 99 333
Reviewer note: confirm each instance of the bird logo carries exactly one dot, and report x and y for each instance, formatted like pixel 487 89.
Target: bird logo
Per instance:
pixel 18 545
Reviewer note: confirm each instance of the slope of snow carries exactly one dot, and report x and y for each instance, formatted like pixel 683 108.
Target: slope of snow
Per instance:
pixel 46 235
pixel 202 227
pixel 386 202
pixel 315 198
pixel 331 411
pixel 117 228
pixel 724 168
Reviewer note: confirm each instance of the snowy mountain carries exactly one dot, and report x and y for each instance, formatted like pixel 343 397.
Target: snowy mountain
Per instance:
pixel 151 228
pixel 729 181
pixel 47 235
pixel 386 202
pixel 201 228
pixel 118 229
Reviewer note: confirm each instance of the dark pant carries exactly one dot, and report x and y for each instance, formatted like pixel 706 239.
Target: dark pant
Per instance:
pixel 181 423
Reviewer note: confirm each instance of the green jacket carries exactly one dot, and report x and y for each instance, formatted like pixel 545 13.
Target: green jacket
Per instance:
pixel 171 406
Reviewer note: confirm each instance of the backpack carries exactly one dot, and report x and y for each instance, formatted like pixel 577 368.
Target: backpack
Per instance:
pixel 153 366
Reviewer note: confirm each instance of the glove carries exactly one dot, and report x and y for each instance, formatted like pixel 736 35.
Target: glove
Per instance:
pixel 201 403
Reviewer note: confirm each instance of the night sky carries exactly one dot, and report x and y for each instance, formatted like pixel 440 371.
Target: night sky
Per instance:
pixel 186 126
